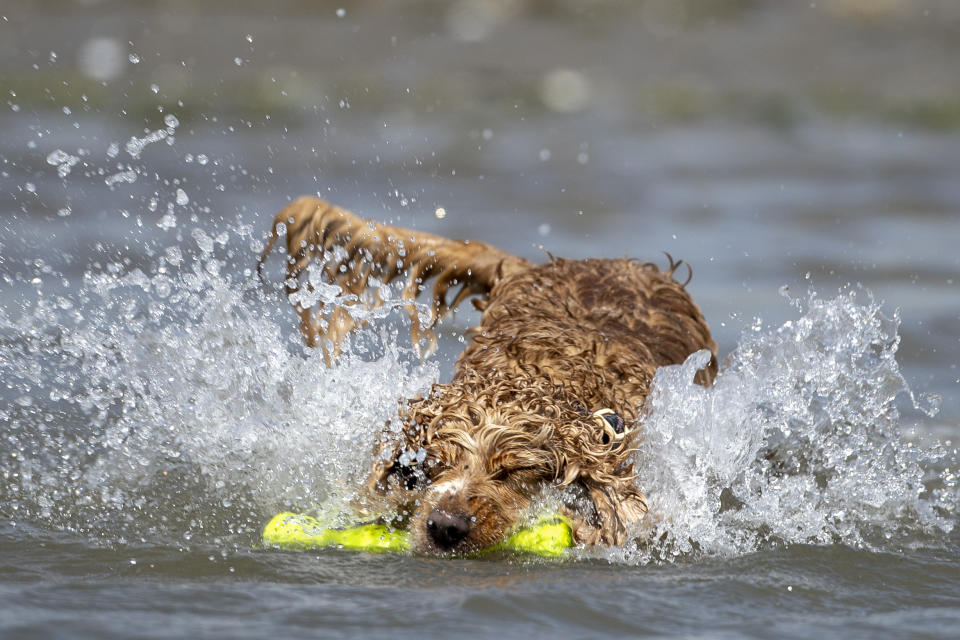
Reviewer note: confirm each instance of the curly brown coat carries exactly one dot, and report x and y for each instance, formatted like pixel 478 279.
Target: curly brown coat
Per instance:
pixel 557 342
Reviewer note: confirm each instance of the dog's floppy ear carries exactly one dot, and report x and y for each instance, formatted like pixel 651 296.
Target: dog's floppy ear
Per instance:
pixel 397 460
pixel 617 510
pixel 385 456
pixel 617 502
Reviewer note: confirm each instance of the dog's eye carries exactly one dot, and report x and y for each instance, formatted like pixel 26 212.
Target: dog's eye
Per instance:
pixel 503 474
pixel 500 475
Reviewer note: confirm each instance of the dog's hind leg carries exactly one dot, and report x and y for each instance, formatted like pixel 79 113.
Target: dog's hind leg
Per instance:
pixel 351 251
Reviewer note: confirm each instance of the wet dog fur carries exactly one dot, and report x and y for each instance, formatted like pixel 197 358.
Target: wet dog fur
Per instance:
pixel 562 360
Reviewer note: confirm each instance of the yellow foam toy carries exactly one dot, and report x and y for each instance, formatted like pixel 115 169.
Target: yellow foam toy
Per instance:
pixel 549 536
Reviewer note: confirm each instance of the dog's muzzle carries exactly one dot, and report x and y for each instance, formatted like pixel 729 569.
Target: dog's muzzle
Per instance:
pixel 614 427
pixel 447 529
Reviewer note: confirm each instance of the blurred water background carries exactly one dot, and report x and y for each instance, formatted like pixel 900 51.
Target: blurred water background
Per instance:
pixel 156 407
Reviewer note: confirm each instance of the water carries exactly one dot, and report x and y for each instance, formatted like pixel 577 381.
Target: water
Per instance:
pixel 157 406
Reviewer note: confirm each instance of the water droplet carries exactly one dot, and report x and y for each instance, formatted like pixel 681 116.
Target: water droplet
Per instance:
pixel 171 121
pixel 63 161
pixel 56 157
pixel 440 213
pixel 167 221
pixel 182 197
pixel 565 91
pixel 133 58
pixel 101 58
pixel 129 176
pixel 203 241
pixel 341 12
pixel 174 255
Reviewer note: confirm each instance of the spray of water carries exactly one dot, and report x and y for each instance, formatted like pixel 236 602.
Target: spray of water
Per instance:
pixel 175 402
pixel 798 441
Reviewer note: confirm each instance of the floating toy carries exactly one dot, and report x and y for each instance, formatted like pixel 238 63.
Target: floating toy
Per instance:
pixel 549 536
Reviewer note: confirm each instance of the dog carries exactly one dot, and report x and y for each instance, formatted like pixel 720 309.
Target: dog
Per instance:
pixel 549 391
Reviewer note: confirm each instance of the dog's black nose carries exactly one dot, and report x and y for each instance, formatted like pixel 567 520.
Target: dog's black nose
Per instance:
pixel 447 529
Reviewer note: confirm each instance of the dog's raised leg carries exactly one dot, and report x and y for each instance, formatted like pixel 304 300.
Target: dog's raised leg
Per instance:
pixel 351 251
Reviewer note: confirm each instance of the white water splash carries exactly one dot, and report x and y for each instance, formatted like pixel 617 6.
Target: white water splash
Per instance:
pixel 798 441
pixel 173 404
pixel 176 403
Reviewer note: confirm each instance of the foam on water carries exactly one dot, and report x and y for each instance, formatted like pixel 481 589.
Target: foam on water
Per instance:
pixel 177 404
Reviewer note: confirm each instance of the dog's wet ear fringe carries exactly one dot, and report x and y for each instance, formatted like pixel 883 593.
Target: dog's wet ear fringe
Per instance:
pixel 676 264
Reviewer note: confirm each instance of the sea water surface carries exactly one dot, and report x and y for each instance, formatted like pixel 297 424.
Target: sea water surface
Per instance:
pixel 157 406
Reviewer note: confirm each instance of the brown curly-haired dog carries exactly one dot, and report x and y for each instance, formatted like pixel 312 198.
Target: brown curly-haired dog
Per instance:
pixel 545 394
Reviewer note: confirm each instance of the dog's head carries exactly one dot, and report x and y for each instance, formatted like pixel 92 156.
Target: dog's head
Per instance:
pixel 473 454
